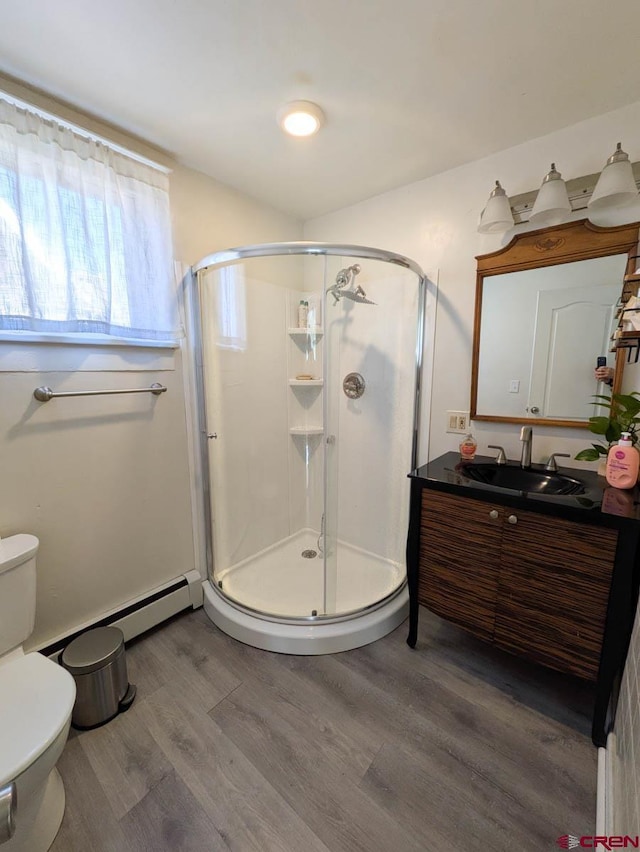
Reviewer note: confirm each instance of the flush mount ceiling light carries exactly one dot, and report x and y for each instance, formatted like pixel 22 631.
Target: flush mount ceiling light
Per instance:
pixel 496 218
pixel 616 184
pixel 300 118
pixel 552 205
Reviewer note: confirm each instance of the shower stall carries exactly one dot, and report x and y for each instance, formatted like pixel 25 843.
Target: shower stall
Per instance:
pixel 308 363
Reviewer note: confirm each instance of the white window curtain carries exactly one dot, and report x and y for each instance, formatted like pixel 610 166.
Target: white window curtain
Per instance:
pixel 231 315
pixel 85 235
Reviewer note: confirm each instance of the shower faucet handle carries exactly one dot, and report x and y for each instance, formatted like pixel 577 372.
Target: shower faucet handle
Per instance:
pixel 353 385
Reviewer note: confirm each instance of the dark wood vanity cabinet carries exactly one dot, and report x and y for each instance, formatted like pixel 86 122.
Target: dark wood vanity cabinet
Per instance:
pixel 531 583
pixel 553 580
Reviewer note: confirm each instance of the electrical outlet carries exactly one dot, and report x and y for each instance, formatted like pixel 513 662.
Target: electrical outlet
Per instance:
pixel 458 422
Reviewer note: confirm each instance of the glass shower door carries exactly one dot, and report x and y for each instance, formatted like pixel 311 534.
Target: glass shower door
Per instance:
pixel 310 431
pixel 331 419
pixel 371 310
pixel 258 444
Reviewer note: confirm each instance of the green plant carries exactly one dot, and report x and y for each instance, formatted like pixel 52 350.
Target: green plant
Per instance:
pixel 624 411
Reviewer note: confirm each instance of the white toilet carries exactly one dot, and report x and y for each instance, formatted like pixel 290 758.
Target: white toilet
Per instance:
pixel 36 700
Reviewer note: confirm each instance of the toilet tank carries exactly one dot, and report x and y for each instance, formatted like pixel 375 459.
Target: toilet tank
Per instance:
pixel 17 589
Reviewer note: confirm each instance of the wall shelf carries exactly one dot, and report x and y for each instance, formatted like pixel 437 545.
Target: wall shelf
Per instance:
pixel 305 399
pixel 627 338
pixel 305 332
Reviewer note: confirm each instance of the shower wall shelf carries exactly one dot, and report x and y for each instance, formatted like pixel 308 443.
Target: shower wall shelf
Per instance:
pixel 304 358
pixel 306 332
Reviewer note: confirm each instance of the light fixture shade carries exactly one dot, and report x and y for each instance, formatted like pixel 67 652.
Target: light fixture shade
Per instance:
pixel 496 218
pixel 616 184
pixel 552 205
pixel 300 118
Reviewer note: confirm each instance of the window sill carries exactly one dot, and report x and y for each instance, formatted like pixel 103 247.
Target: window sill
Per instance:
pixel 84 340
pixel 48 353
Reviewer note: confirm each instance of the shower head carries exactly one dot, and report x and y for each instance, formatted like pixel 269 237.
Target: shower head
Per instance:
pixel 345 279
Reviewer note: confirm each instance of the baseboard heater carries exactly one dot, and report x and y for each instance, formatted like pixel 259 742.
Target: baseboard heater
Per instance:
pixel 140 614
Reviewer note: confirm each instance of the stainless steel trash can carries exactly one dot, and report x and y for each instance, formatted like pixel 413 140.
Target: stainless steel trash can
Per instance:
pixel 96 660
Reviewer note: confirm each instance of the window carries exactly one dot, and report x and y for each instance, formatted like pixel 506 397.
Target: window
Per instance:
pixel 231 314
pixel 85 234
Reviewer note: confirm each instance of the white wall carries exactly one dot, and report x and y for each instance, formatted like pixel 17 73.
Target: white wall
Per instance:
pixel 208 217
pixel 104 482
pixel 434 222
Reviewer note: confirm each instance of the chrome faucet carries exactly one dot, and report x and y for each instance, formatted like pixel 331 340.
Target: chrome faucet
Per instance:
pixel 525 436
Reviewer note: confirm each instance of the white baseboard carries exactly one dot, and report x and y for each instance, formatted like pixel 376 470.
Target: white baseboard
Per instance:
pixel 604 795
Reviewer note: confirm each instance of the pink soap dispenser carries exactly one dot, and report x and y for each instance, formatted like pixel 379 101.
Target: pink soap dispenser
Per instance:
pixel 623 463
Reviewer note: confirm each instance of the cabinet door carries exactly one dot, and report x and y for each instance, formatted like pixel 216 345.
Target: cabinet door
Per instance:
pixel 554 589
pixel 459 559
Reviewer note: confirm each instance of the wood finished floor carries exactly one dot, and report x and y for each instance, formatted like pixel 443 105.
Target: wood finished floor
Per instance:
pixel 452 746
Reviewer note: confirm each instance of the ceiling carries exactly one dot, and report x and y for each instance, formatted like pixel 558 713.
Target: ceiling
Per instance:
pixel 410 88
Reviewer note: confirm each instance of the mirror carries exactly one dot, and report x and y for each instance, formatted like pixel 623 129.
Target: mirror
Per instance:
pixel 546 307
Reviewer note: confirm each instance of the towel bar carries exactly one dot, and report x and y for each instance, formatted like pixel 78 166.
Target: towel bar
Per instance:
pixel 44 394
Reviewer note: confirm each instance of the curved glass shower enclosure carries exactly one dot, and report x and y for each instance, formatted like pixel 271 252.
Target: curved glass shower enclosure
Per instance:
pixel 308 358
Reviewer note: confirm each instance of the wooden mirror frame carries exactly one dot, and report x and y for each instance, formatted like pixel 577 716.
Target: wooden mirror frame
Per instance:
pixel 573 241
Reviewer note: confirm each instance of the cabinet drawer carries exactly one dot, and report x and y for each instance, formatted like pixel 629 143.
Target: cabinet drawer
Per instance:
pixel 459 560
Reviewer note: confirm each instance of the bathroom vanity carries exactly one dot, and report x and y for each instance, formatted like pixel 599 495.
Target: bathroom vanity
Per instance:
pixel 549 577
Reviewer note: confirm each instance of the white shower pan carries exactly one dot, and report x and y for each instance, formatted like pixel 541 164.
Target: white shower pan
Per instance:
pixel 279 584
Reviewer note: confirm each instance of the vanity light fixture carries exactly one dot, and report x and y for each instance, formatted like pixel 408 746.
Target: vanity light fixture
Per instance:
pixel 552 205
pixel 616 184
pixel 496 218
pixel 614 189
pixel 300 118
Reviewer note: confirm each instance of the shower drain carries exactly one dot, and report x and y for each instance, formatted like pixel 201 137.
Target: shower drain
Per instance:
pixel 309 554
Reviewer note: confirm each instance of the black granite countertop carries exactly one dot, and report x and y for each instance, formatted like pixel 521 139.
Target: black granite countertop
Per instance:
pixel 600 504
